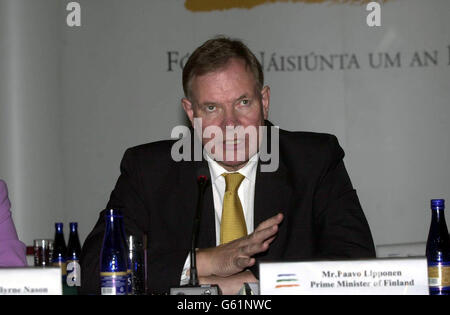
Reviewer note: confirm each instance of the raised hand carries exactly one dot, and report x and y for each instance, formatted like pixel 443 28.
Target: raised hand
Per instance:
pixel 231 258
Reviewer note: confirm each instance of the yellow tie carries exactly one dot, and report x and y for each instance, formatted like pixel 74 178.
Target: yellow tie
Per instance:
pixel 232 225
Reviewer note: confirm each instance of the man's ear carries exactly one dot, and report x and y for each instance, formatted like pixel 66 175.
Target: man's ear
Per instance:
pixel 265 100
pixel 188 108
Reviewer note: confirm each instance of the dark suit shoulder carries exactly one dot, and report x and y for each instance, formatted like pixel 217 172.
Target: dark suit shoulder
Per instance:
pixel 149 162
pixel 313 139
pixel 310 144
pixel 153 150
pixel 309 154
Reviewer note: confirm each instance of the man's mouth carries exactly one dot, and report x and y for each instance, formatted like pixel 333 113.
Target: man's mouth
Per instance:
pixel 233 142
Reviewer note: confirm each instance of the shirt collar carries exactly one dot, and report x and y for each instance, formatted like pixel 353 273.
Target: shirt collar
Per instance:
pixel 249 170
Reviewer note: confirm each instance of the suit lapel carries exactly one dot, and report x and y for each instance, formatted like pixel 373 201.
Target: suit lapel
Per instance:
pixel 272 194
pixel 272 189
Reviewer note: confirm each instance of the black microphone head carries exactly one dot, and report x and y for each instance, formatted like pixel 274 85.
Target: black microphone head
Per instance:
pixel 202 174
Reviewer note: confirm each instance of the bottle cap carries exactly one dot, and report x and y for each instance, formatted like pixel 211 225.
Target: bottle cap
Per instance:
pixel 113 213
pixel 73 226
pixel 437 203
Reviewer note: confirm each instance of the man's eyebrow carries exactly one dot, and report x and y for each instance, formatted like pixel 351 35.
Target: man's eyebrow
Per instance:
pixel 242 97
pixel 207 103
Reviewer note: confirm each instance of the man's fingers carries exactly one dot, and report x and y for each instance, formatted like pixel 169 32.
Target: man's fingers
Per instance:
pixel 270 240
pixel 233 257
pixel 244 248
pixel 259 241
pixel 262 235
pixel 275 220
pixel 244 262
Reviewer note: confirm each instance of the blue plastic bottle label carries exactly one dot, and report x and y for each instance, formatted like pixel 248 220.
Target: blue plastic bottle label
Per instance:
pixel 114 283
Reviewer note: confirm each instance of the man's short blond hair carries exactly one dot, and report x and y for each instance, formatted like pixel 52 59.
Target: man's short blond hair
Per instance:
pixel 214 54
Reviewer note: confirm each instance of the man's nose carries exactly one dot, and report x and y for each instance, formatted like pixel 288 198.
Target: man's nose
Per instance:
pixel 230 118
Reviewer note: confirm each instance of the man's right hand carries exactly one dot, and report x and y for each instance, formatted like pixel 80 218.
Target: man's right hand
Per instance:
pixel 231 258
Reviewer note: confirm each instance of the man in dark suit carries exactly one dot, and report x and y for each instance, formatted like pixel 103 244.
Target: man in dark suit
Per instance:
pixel 305 209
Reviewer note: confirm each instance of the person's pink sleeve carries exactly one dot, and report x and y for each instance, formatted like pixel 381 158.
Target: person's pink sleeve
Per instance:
pixel 12 251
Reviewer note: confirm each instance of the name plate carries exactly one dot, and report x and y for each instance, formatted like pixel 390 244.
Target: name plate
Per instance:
pixel 402 276
pixel 30 281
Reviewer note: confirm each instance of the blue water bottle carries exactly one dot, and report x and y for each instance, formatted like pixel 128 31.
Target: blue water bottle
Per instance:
pixel 59 251
pixel 113 257
pixel 73 268
pixel 438 251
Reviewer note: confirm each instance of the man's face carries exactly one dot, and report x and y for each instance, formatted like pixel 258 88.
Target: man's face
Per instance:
pixel 226 99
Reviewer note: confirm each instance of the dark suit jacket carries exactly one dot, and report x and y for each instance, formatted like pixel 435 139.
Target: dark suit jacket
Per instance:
pixel 323 218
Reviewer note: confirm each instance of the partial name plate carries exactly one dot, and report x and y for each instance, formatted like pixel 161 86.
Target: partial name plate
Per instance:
pixel 399 276
pixel 30 281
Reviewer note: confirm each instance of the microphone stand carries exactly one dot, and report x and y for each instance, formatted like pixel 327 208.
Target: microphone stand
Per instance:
pixel 194 288
pixel 201 182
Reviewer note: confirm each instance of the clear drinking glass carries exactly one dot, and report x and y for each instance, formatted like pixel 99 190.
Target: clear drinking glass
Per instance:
pixel 43 251
pixel 137 258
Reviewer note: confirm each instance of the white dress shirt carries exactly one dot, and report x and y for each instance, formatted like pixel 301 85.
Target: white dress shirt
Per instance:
pixel 246 193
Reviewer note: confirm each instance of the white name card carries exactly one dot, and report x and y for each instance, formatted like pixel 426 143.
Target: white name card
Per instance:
pixel 401 276
pixel 30 281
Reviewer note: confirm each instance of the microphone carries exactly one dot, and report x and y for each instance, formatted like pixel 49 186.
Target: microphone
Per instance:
pixel 194 288
pixel 202 181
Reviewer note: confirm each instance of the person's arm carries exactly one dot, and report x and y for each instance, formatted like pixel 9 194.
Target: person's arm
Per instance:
pixel 12 250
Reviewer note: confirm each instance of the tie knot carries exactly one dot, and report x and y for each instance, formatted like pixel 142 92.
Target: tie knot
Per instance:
pixel 233 180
